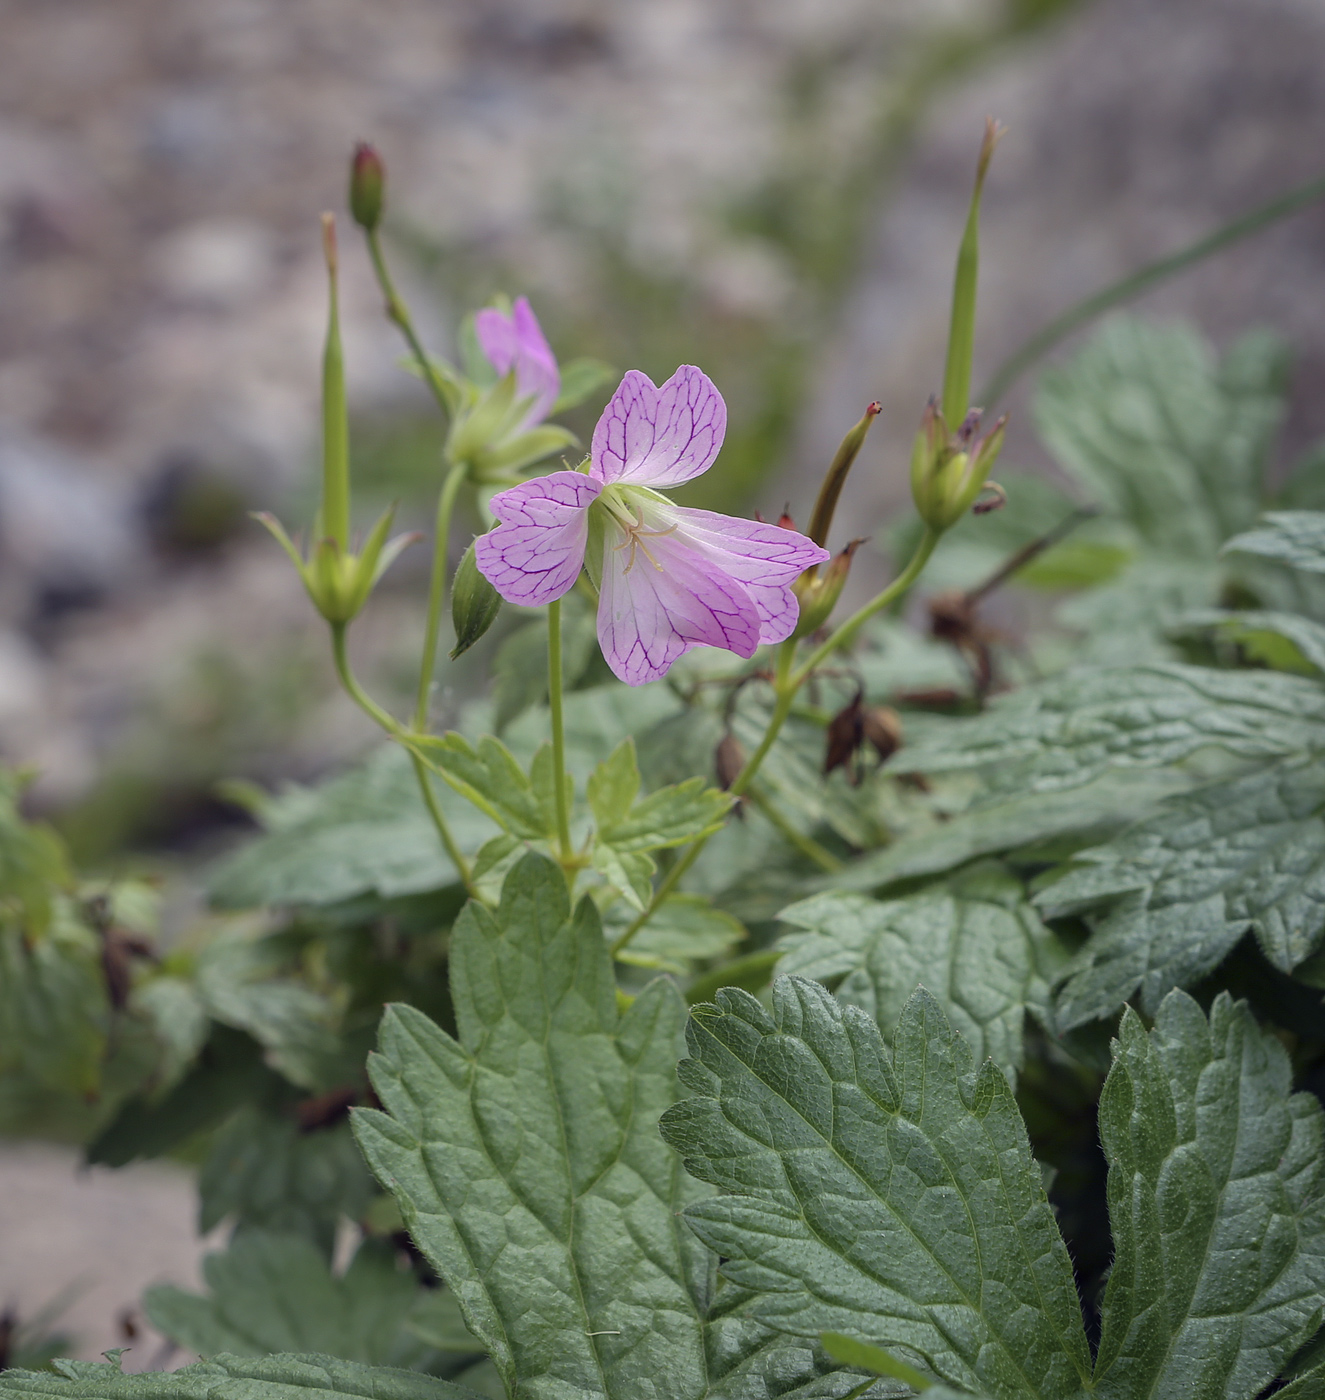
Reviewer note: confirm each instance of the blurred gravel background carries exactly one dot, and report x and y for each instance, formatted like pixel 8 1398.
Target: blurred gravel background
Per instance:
pixel 773 188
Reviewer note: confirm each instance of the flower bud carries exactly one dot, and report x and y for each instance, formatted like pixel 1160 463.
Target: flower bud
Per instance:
pixel 338 582
pixel 475 603
pixel 948 472
pixel 367 187
pixel 818 596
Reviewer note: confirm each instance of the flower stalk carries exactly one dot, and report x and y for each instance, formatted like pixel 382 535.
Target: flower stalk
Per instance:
pixel 554 685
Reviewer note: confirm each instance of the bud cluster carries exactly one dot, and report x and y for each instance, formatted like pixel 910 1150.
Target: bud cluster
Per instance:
pixel 950 470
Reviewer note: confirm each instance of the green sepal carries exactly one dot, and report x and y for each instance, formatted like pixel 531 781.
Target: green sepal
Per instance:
pixel 523 450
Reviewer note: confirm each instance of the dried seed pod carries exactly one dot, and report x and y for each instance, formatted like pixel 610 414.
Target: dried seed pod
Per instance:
pixel 844 736
pixel 882 728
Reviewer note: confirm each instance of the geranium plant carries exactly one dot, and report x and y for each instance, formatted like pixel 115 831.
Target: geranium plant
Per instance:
pixel 975 1055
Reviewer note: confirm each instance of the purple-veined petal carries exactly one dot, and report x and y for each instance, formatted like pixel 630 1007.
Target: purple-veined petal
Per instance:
pixel 518 340
pixel 765 559
pixel 536 553
pixel 655 606
pixel 652 436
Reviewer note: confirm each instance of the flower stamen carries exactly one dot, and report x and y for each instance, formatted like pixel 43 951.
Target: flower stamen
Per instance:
pixel 635 537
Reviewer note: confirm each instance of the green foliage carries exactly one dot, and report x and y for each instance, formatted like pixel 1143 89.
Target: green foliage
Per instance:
pixel 1216 1205
pixel 579 379
pixel 367 831
pixel 628 827
pixel 1243 854
pixel 894 1199
pixel 1070 729
pixel 490 778
pixel 231 1378
pixel 1294 537
pixel 475 603
pixel 890 1199
pixel 526 1162
pixel 1168 440
pixel 978 945
pixel 271 1293
pixel 577 1190
pixel 264 1170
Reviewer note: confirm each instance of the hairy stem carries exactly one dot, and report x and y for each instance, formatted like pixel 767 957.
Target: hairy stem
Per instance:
pixel 847 631
pixel 437 591
pixel 396 730
pixel 806 845
pixel 558 733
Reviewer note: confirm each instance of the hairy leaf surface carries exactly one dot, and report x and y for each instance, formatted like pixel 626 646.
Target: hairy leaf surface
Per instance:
pixel 1283 640
pixel 270 1293
pixel 367 830
pixel 978 947
pixel 526 1161
pixel 1215 1198
pixel 1156 430
pixel 1068 730
pixel 1293 537
pixel 889 1198
pixel 231 1378
pixel 1184 886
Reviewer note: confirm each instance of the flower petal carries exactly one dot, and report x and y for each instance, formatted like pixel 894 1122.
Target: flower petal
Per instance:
pixel 518 340
pixel 765 559
pixel 659 437
pixel 536 553
pixel 651 611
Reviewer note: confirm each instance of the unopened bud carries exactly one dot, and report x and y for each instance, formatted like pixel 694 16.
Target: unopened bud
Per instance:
pixel 948 472
pixel 367 186
pixel 785 520
pixel 818 596
pixel 475 603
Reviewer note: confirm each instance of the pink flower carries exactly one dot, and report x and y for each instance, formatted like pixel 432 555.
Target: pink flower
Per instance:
pixel 517 340
pixel 669 578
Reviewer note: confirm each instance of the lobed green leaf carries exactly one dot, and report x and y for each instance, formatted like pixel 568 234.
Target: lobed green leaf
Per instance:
pixel 979 945
pixel 231 1378
pixel 1182 887
pixel 1216 1205
pixel 892 1199
pixel 1068 730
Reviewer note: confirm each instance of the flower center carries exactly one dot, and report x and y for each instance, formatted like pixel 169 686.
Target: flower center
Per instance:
pixel 629 515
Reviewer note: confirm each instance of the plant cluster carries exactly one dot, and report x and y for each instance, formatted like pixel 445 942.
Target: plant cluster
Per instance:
pixel 993 974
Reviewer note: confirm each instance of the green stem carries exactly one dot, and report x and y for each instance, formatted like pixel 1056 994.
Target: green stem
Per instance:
pixel 375 712
pixel 1062 326
pixel 399 313
pixel 558 733
pixel 354 690
pixel 786 683
pixel 806 845
pixel 847 631
pixel 455 478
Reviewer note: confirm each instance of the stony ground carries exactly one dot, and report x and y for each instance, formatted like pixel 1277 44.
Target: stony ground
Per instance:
pixel 161 165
